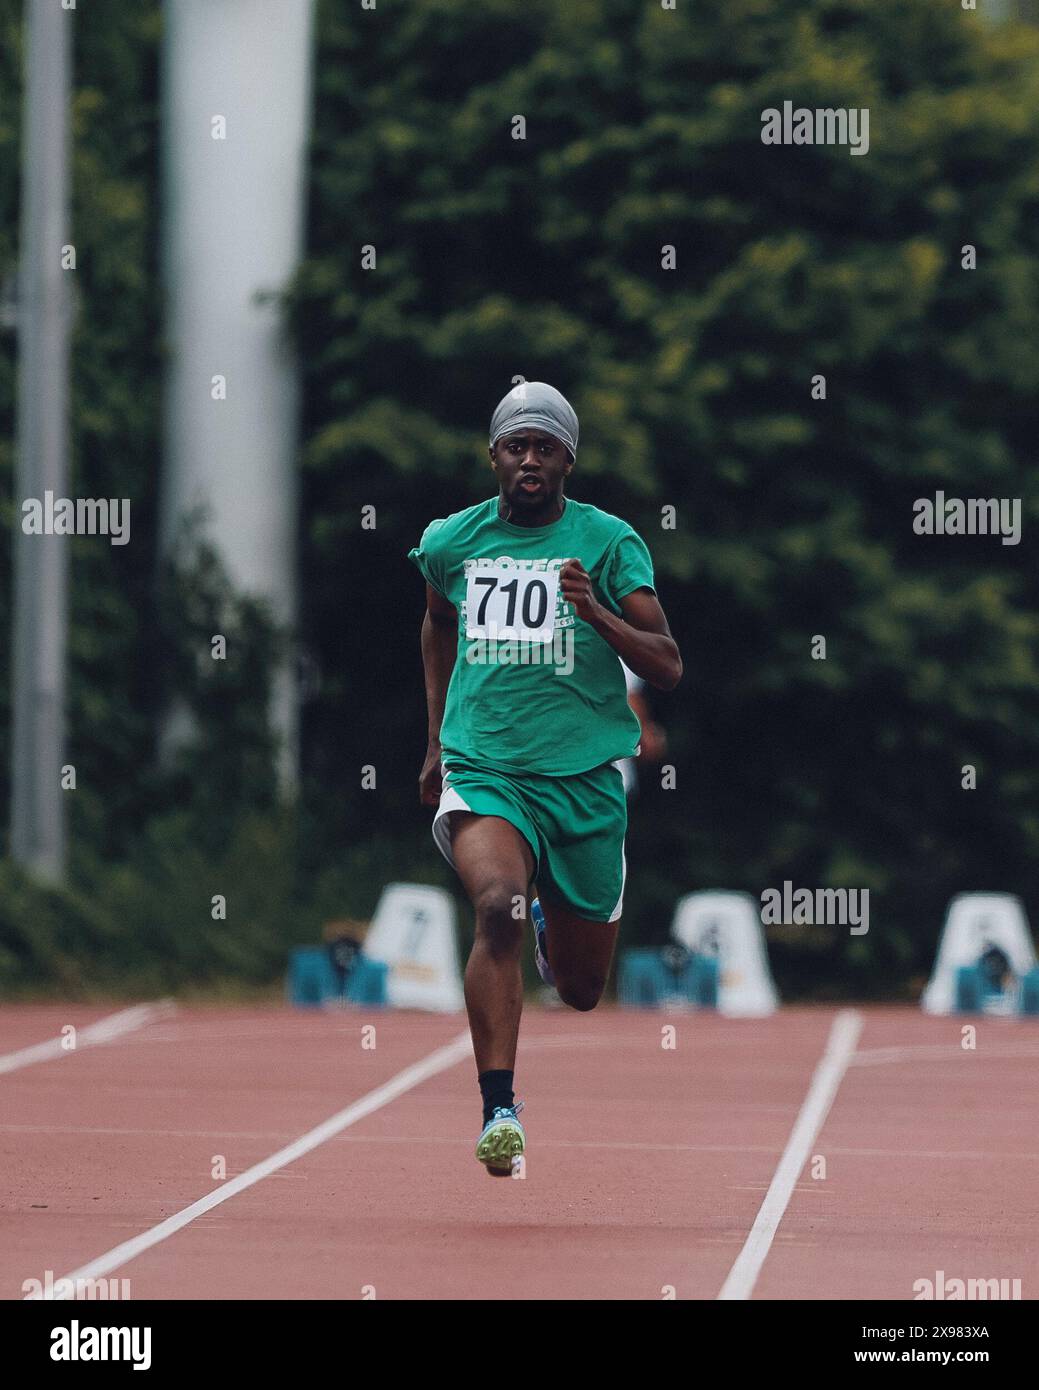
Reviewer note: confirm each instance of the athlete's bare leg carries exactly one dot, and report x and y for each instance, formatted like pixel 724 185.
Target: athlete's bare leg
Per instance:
pixel 579 953
pixel 494 863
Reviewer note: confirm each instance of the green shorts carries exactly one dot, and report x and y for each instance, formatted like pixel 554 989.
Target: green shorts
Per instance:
pixel 575 827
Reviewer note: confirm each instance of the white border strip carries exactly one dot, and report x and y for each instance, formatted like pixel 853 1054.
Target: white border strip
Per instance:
pixel 438 1061
pixel 826 1079
pixel 105 1030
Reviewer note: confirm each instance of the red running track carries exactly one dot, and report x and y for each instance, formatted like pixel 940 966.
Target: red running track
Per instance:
pixel 646 1166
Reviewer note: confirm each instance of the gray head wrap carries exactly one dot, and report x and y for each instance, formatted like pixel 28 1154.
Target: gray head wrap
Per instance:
pixel 535 405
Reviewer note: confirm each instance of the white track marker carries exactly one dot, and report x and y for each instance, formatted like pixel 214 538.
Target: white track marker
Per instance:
pixel 105 1030
pixel 827 1077
pixel 438 1061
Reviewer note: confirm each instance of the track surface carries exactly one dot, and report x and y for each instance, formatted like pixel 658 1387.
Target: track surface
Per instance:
pixel 646 1167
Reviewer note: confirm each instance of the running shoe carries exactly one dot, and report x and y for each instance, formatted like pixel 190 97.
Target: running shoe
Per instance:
pixel 502 1141
pixel 537 918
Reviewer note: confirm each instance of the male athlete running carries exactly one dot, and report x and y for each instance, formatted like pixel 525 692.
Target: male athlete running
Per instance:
pixel 531 598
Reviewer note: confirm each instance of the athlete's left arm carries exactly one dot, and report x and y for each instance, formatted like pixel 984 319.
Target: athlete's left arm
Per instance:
pixel 641 637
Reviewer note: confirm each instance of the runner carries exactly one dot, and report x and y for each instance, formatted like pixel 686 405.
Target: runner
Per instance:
pixel 652 738
pixel 532 601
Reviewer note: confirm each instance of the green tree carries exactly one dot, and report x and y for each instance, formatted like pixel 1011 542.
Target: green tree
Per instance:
pixel 543 257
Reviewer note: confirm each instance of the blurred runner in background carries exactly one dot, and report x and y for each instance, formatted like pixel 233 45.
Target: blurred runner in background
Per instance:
pixel 653 741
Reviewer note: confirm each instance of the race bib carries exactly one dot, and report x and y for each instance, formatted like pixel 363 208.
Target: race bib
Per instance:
pixel 511 605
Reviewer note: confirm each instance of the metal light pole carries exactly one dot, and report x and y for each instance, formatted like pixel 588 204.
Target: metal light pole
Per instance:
pixel 41 561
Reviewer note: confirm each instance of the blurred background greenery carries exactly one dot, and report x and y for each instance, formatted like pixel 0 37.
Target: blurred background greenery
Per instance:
pixel 542 257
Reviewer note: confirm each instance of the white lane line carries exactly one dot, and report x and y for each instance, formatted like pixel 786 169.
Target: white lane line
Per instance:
pixel 105 1030
pixel 951 1051
pixel 438 1061
pixel 827 1078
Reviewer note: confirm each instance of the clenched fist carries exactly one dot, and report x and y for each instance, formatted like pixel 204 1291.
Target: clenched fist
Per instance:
pixel 575 584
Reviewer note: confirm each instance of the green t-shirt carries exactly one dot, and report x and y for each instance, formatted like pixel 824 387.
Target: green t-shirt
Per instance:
pixel 557 706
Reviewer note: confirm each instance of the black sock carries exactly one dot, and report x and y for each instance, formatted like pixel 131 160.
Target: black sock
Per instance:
pixel 496 1089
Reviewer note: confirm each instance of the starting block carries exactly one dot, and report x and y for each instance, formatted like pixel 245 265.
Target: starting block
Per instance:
pixel 413 935
pixel 314 982
pixel 652 978
pixel 366 982
pixel 716 960
pixel 727 927
pixel 986 961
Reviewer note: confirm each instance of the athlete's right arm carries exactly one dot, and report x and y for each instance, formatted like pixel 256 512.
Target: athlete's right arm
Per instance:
pixel 439 650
